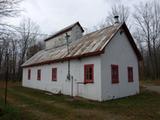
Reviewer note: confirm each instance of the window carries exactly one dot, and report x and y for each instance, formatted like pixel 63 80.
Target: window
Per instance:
pixel 114 74
pixel 130 74
pixel 54 74
pixel 88 73
pixel 29 74
pixel 39 74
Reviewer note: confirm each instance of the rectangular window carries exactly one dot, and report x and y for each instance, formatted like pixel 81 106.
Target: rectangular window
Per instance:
pixel 39 74
pixel 54 74
pixel 88 73
pixel 29 74
pixel 130 74
pixel 114 74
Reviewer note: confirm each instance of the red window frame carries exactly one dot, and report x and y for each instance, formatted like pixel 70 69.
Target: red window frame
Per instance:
pixel 54 74
pixel 29 74
pixel 130 74
pixel 39 74
pixel 115 74
pixel 88 73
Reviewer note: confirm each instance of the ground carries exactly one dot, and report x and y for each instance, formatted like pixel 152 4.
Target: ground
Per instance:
pixel 30 104
pixel 153 85
pixel 150 82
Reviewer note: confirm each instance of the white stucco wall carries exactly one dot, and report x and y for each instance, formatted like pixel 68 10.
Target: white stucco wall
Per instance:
pixel 119 52
pixel 90 91
pixel 57 41
pixel 75 33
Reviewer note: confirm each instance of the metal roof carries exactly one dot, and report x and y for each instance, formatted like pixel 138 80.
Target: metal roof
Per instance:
pixel 88 45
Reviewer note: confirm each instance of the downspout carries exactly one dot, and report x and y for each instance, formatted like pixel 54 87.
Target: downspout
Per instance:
pixel 68 52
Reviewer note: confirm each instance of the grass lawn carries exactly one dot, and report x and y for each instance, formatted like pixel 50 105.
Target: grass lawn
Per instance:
pixel 7 112
pixel 29 104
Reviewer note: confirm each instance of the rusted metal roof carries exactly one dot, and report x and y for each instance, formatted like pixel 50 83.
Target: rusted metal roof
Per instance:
pixel 64 30
pixel 88 45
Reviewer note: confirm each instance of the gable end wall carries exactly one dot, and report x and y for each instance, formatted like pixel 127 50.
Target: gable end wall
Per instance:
pixel 119 52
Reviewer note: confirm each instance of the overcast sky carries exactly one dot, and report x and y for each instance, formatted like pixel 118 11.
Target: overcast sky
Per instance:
pixel 52 15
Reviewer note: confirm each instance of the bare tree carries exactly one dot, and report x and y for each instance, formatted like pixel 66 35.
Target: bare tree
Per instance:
pixel 35 48
pixel 13 57
pixel 118 10
pixel 1 55
pixel 9 47
pixel 8 8
pixel 147 18
pixel 4 49
pixel 27 34
pixel 18 44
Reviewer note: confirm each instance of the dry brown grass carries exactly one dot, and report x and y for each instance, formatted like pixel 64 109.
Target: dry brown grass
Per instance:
pixel 150 82
pixel 10 84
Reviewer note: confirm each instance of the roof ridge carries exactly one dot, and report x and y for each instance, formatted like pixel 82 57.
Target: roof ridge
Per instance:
pixel 64 30
pixel 86 35
pixel 100 29
pixel 90 44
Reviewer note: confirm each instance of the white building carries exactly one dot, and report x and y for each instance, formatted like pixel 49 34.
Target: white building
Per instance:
pixel 102 65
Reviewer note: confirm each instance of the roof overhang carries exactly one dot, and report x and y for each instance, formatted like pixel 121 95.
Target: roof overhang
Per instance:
pixel 65 59
pixel 130 38
pixel 95 53
pixel 133 44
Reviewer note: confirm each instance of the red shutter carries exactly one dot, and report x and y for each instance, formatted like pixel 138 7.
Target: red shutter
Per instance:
pixel 39 74
pixel 89 73
pixel 54 74
pixel 114 74
pixel 130 74
pixel 29 74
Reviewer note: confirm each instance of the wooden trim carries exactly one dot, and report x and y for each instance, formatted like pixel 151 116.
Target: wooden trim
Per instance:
pixel 138 54
pixel 131 41
pixel 85 72
pixel 29 74
pixel 133 44
pixel 54 74
pixel 39 74
pixel 115 78
pixel 65 59
pixel 130 74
